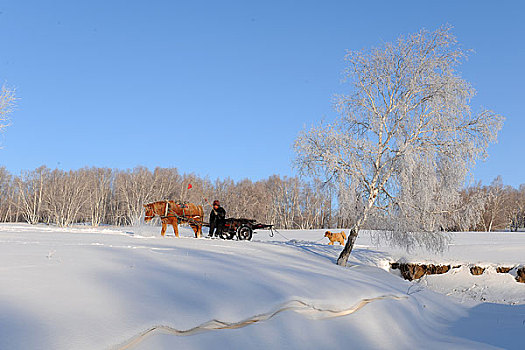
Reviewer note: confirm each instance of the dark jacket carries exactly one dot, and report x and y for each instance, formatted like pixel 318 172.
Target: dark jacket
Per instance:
pixel 217 215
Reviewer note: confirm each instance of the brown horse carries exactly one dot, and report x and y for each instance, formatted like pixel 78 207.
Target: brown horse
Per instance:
pixel 173 213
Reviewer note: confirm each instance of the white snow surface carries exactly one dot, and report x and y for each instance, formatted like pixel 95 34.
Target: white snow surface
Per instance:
pixel 86 288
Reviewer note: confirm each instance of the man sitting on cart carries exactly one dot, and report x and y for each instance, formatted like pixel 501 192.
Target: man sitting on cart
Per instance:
pixel 217 216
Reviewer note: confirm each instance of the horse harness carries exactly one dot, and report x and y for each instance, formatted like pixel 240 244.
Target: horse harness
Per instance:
pixel 180 218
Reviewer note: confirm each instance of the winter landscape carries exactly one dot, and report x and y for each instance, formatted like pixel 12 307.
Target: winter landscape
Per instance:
pixel 262 175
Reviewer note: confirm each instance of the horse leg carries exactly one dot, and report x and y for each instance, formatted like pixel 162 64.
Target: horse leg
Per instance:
pixel 199 231
pixel 163 231
pixel 196 230
pixel 201 218
pixel 176 229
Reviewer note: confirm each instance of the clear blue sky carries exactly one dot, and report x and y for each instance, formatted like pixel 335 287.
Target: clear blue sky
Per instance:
pixel 222 88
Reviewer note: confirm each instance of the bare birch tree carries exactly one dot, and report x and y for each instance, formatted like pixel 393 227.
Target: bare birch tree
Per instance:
pixel 6 195
pixel 7 103
pixel 98 183
pixel 132 190
pixel 30 186
pixel 494 214
pixel 517 217
pixel 244 200
pixel 406 135
pixel 166 183
pixel 65 196
pixel 285 198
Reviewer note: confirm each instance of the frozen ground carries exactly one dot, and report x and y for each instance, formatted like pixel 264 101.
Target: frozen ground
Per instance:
pixel 114 288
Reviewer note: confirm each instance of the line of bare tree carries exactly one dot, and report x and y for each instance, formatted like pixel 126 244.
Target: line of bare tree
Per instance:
pixel 502 207
pixel 98 196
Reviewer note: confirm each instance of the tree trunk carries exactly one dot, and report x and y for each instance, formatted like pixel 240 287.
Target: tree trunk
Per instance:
pixel 343 257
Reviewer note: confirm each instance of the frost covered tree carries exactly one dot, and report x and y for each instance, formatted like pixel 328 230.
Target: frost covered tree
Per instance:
pixel 405 137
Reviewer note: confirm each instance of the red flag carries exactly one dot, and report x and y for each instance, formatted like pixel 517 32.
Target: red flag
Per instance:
pixel 189 186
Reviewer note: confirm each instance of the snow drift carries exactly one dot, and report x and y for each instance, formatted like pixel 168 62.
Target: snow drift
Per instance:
pixel 108 288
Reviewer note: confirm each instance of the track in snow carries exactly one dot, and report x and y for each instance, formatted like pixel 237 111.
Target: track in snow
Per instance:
pixel 298 306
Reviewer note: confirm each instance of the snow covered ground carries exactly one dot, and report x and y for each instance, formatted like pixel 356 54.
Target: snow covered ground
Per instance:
pixel 129 288
pixel 489 250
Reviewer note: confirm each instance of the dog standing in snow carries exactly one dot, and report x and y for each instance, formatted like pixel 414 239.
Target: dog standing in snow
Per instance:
pixel 336 237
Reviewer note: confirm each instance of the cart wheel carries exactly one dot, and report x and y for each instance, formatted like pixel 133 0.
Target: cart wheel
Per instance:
pixel 226 235
pixel 244 233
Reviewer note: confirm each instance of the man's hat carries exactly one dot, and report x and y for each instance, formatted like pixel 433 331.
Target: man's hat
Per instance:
pixel 216 202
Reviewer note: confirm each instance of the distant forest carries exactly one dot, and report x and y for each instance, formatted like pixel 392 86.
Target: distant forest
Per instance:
pixel 98 196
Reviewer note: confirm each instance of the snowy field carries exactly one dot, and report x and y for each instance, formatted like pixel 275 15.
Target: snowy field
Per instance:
pixel 129 288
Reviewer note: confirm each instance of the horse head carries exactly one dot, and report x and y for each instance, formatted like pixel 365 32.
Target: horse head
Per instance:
pixel 149 212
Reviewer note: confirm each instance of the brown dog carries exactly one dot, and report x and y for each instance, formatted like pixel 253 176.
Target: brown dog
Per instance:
pixel 336 237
